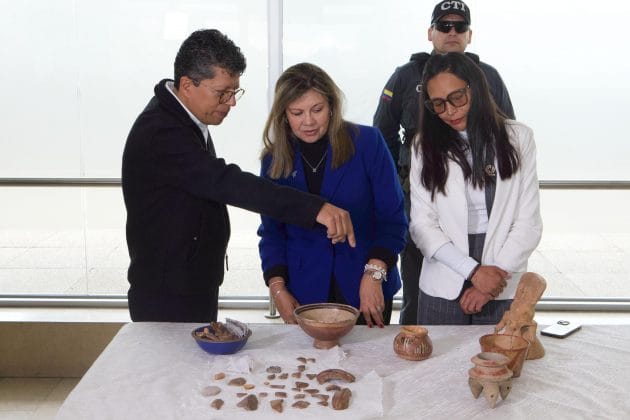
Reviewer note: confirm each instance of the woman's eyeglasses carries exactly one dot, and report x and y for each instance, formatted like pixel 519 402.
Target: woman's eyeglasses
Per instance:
pixel 446 25
pixel 456 98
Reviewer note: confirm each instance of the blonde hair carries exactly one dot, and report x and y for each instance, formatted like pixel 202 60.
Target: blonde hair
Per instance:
pixel 277 135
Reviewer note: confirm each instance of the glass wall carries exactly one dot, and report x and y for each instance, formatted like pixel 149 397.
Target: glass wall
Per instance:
pixel 78 73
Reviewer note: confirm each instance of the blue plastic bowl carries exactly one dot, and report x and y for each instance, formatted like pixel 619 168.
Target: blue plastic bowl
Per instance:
pixel 219 347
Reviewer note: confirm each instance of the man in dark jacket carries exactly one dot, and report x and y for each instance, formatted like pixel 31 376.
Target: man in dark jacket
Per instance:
pixel 176 188
pixel 398 107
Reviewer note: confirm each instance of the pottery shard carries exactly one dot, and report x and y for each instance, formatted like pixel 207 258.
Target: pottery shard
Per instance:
pixel 217 404
pixel 333 387
pixel 312 391
pixel 219 376
pixel 297 375
pixel 311 360
pixel 281 394
pixel 277 386
pixel 341 399
pixel 301 368
pixel 249 386
pixel 241 394
pixel 274 369
pixel 237 382
pixel 311 376
pixel 299 396
pixel 271 377
pixel 322 397
pixel 283 376
pixel 301 404
pixel 262 394
pixel 277 405
pixel 249 403
pixel 210 391
pixel 301 359
pixel 324 403
pixel 332 374
pixel 301 385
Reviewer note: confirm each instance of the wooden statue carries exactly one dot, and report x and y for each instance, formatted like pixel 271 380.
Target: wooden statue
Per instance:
pixel 519 319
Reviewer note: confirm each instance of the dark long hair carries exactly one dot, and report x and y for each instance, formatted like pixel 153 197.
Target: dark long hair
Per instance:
pixel 485 127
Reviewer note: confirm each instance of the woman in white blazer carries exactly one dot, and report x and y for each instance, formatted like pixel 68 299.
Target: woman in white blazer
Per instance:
pixel 475 212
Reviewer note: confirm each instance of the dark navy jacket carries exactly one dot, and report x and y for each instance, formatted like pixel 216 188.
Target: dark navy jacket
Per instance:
pixel 366 186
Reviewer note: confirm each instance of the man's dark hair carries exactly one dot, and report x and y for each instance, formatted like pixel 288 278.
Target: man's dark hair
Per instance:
pixel 204 49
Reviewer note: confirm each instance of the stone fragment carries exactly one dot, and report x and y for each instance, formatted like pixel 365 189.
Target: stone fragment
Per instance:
pixel 341 399
pixel 249 403
pixel 217 404
pixel 277 405
pixel 237 382
pixel 210 391
pixel 274 369
pixel 301 404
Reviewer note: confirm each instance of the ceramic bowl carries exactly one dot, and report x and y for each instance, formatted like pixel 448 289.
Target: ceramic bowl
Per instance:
pixel 219 347
pixel 513 347
pixel 326 322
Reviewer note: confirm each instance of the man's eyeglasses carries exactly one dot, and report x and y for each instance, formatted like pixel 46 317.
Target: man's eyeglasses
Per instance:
pixel 456 98
pixel 446 25
pixel 224 95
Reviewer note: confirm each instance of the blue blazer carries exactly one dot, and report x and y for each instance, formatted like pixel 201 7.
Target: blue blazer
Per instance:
pixel 367 186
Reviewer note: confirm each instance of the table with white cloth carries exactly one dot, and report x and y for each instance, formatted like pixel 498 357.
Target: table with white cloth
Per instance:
pixel 157 371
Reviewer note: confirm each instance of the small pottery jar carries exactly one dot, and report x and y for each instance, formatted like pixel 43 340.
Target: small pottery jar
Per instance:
pixel 413 343
pixel 490 376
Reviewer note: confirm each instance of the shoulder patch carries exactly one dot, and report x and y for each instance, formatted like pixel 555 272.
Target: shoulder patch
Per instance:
pixel 387 95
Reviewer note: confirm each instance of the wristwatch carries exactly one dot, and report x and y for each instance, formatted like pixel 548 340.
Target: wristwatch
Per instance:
pixel 376 272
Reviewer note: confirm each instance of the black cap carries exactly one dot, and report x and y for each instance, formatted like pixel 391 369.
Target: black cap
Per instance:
pixel 451 7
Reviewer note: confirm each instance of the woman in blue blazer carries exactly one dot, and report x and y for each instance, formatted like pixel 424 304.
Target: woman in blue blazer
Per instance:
pixel 309 146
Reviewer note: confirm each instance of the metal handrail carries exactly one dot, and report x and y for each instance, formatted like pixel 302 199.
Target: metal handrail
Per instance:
pixel 116 182
pixel 545 303
pixel 550 303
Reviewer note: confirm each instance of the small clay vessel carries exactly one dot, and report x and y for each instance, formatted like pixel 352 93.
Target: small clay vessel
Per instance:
pixel 513 347
pixel 413 343
pixel 490 376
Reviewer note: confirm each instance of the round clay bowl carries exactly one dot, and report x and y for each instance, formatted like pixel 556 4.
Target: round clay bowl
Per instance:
pixel 326 322
pixel 511 346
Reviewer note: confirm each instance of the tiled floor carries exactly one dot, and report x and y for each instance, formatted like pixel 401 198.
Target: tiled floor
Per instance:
pixel 33 398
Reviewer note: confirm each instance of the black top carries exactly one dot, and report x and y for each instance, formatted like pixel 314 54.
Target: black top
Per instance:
pixel 176 192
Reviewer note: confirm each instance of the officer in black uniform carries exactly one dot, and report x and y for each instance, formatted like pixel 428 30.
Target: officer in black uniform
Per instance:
pixel 398 107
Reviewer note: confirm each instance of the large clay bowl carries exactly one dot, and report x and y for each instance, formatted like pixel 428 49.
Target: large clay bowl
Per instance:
pixel 514 347
pixel 326 322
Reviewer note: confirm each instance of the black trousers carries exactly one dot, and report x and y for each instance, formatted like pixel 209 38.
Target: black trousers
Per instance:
pixel 151 306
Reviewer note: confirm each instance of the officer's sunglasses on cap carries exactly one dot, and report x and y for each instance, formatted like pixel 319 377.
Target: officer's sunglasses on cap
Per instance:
pixel 446 25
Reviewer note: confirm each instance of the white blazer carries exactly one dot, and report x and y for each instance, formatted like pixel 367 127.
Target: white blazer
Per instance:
pixel 514 227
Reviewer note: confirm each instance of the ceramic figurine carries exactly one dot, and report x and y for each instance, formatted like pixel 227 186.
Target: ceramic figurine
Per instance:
pixel 490 376
pixel 519 319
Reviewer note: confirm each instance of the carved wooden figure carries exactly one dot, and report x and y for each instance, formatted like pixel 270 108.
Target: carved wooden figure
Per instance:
pixel 519 319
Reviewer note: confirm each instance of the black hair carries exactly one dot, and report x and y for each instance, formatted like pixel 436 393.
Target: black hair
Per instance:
pixel 485 127
pixel 205 49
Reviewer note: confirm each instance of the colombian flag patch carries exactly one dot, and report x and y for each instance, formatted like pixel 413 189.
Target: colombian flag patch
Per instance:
pixel 387 95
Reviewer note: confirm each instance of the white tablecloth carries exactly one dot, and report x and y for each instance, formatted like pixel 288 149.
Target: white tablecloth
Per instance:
pixel 157 371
